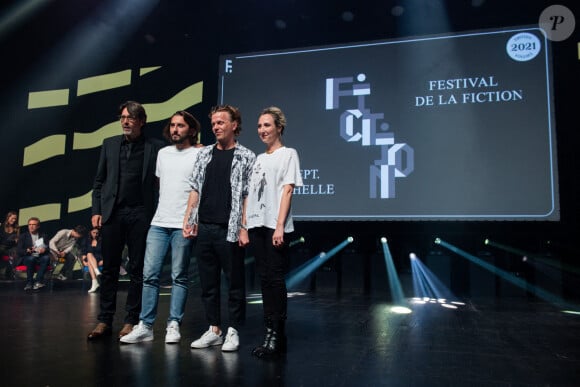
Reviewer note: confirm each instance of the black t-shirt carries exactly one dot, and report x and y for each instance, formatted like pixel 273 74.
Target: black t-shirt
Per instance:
pixel 216 196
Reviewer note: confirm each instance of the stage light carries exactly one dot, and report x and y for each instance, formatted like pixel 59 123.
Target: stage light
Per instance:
pixel 437 241
pixel 254 298
pixel 383 240
pixel 517 281
pixel 486 241
pixel 427 287
pixel 300 273
pixel 536 259
pixel 95 42
pixel 507 248
pixel 429 18
pixel 394 282
pixel 19 13
pixel 571 312
pixel 297 241
pixel 401 310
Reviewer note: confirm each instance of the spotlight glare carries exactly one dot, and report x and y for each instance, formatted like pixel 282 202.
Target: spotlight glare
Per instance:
pixel 401 310
pixel 524 258
pixel 383 240
pixel 486 241
pixel 412 256
pixel 571 311
pixel 437 241
pixel 350 239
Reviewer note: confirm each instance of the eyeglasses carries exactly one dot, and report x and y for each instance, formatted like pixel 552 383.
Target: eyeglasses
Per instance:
pixel 128 118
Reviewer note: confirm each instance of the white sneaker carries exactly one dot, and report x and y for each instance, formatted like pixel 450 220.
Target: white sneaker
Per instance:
pixel 172 335
pixel 38 285
pixel 232 342
pixel 140 333
pixel 208 339
pixel 94 286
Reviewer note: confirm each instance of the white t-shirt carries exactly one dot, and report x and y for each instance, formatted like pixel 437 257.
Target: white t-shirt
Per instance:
pixel 271 172
pixel 174 168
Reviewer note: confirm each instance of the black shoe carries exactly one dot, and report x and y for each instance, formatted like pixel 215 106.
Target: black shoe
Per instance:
pixel 259 349
pixel 276 345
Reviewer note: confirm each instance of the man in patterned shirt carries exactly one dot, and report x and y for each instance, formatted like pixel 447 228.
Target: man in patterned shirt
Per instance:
pixel 214 212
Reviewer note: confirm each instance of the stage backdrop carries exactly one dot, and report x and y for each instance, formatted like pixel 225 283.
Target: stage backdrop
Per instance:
pixel 457 127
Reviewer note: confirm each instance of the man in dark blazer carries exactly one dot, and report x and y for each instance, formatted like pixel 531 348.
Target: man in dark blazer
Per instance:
pixel 32 250
pixel 124 199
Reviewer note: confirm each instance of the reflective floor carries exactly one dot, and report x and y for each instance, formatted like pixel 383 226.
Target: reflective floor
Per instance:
pixel 334 340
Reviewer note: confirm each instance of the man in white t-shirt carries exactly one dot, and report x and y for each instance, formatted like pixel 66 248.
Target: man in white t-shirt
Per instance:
pixel 174 167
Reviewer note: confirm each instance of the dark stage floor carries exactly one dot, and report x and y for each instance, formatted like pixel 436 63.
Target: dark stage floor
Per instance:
pixel 334 340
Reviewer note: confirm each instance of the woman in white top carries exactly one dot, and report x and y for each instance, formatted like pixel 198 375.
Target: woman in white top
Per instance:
pixel 268 219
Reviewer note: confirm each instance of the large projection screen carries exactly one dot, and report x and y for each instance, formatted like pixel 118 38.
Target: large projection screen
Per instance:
pixel 454 127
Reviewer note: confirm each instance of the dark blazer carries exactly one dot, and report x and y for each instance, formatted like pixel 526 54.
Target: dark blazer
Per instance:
pixel 25 241
pixel 106 184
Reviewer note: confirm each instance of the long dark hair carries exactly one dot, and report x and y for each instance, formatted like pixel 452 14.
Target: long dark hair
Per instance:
pixel 11 227
pixel 194 126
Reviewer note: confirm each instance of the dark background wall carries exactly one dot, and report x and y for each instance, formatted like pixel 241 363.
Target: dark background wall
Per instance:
pixel 53 44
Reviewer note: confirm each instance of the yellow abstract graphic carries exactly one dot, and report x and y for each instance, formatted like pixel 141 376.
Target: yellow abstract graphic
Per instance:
pixel 48 98
pixel 190 96
pixel 103 82
pixel 44 212
pixel 80 202
pixel 55 145
pixel 147 70
pixel 44 149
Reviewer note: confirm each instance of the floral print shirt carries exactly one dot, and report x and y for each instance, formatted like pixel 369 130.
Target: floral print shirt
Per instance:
pixel 240 175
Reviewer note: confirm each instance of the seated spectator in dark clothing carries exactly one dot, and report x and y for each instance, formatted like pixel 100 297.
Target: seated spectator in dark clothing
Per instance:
pixel 9 233
pixel 32 250
pixel 61 246
pixel 92 257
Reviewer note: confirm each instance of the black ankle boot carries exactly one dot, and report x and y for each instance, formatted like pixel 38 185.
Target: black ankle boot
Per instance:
pixel 260 348
pixel 276 346
pixel 256 351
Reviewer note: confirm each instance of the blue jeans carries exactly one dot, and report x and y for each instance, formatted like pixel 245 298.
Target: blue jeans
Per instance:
pixel 31 262
pixel 158 241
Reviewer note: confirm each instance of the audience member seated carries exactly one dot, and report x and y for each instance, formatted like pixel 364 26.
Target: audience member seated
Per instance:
pixel 61 246
pixel 92 258
pixel 32 251
pixel 9 233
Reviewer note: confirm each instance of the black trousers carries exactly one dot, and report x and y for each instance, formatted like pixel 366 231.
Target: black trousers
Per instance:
pixel 127 226
pixel 214 254
pixel 68 266
pixel 272 266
